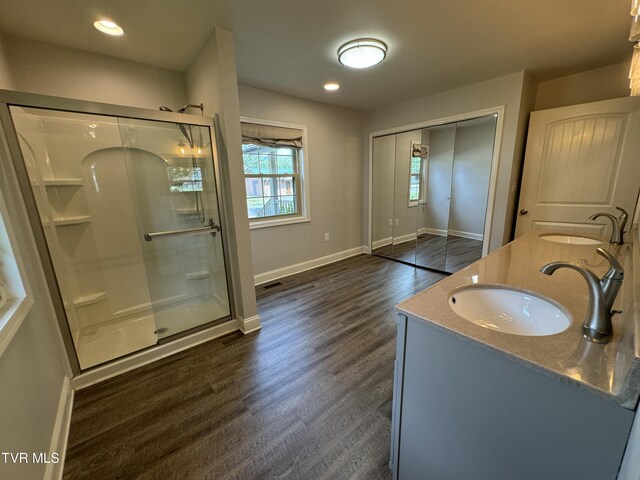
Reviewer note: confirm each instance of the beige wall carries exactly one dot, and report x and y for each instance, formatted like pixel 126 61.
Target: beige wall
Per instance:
pixel 334 151
pixel 33 366
pixel 211 79
pixel 506 90
pixel 6 83
pixel 65 72
pixel 599 84
pixel 527 102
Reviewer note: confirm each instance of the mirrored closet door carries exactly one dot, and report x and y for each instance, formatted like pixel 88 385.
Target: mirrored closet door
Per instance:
pixel 430 191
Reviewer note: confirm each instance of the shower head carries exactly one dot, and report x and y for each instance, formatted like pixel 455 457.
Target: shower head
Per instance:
pixel 192 105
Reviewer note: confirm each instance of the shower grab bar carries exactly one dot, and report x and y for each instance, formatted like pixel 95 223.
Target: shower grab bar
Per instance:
pixel 211 228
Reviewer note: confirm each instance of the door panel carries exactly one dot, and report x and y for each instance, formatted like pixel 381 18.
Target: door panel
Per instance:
pixel 593 229
pixel 173 186
pixel 580 160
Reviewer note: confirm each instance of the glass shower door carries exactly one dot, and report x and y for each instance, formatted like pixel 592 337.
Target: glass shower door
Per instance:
pixel 172 181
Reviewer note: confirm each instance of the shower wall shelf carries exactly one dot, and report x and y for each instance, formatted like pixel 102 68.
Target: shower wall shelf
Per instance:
pixel 198 275
pixel 186 211
pixel 64 221
pixel 89 299
pixel 186 156
pixel 60 182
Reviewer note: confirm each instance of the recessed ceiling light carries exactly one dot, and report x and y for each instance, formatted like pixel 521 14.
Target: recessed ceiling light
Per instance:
pixel 362 53
pixel 331 86
pixel 108 27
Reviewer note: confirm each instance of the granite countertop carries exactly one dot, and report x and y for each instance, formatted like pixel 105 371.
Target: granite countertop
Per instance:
pixel 611 371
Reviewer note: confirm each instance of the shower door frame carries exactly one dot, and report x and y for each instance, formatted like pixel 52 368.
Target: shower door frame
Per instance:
pixel 9 98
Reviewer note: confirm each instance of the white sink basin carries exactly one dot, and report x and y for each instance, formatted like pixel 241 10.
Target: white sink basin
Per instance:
pixel 508 310
pixel 570 239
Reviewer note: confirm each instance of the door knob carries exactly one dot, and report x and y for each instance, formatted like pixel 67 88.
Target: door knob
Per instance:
pixel 524 211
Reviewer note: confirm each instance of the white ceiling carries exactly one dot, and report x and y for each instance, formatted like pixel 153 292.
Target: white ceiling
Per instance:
pixel 289 46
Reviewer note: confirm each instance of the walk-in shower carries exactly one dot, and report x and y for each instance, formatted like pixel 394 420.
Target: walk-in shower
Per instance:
pixel 130 210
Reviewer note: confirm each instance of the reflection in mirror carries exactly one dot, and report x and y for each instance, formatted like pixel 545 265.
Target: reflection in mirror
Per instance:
pixel 383 167
pixel 433 212
pixel 473 154
pixel 404 209
pixel 429 193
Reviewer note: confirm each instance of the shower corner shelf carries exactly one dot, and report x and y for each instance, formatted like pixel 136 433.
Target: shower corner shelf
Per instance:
pixel 60 182
pixel 89 299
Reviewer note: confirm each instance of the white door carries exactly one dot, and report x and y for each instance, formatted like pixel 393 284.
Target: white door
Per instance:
pixel 580 160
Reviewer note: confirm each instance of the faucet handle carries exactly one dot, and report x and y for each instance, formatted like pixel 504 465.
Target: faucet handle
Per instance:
pixel 622 219
pixel 616 272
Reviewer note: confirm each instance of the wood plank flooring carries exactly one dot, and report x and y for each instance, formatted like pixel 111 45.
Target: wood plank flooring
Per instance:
pixel 307 397
pixel 448 254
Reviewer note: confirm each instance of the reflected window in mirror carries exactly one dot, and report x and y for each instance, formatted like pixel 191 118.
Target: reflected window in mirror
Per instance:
pixel 417 173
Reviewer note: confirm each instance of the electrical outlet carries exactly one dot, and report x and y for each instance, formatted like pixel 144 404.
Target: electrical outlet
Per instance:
pixel 391 222
pixel 397 222
pixel 326 237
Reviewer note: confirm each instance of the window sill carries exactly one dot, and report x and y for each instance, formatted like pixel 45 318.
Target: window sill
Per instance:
pixel 254 225
pixel 12 315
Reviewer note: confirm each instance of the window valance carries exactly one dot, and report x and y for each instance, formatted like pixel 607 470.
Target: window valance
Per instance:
pixel 271 136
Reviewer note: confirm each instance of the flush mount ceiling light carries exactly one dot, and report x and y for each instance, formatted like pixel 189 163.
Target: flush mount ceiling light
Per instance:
pixel 108 27
pixel 331 86
pixel 362 53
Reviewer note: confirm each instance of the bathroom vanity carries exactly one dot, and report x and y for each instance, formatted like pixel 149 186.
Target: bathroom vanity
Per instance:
pixel 471 402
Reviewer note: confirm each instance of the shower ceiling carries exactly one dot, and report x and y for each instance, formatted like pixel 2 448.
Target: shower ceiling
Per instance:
pixel 290 46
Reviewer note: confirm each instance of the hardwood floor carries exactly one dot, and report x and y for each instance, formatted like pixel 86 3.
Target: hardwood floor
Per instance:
pixel 307 397
pixel 448 254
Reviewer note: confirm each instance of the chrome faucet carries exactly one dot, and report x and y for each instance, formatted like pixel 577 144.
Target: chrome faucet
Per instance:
pixel 597 325
pixel 617 224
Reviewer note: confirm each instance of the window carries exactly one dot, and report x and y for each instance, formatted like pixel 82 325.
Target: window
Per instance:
pixel 271 180
pixel 14 299
pixel 273 162
pixel 418 169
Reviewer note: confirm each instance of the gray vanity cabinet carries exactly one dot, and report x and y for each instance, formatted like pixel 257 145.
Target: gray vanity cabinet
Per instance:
pixel 461 411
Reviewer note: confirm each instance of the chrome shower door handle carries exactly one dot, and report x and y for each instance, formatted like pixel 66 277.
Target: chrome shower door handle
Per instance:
pixel 212 228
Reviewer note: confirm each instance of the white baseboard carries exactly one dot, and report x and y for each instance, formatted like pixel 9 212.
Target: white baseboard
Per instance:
pixel 433 231
pixel 60 435
pixel 382 243
pixel 471 235
pixel 248 325
pixel 266 277
pixel 404 238
pixel 145 357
